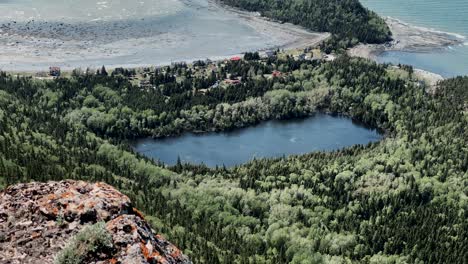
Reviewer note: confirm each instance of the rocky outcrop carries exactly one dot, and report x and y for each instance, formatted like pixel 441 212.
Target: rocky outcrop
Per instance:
pixel 37 220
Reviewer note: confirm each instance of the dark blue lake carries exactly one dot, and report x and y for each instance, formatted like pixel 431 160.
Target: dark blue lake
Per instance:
pixel 269 139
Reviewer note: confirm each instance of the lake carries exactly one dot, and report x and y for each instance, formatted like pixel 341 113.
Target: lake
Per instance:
pixel 321 132
pixel 448 16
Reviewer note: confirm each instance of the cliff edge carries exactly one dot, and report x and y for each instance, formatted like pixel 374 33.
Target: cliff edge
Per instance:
pixel 77 222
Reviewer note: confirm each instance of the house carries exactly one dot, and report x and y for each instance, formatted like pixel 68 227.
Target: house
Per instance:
pixel 42 74
pixel 277 74
pixel 232 82
pixel 54 71
pixel 267 54
pixel 179 63
pixel 146 84
pixel 215 85
pixel 329 57
pixel 301 56
pixel 213 68
pixel 236 58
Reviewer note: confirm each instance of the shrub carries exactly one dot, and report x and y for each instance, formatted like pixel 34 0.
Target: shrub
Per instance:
pixel 90 240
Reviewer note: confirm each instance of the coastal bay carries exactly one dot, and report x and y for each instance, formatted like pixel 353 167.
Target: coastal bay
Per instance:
pixel 142 36
pixel 434 19
pixel 408 38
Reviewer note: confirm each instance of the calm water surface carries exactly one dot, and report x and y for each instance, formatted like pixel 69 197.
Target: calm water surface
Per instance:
pixel 270 139
pixel 449 16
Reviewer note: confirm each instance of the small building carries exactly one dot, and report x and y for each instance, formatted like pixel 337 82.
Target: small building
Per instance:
pixel 215 85
pixel 277 74
pixel 179 64
pixel 213 68
pixel 146 84
pixel 329 57
pixel 267 54
pixel 42 74
pixel 301 56
pixel 232 82
pixel 236 58
pixel 54 71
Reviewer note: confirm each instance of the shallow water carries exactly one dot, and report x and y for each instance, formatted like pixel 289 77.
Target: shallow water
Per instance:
pixel 91 33
pixel 448 16
pixel 85 10
pixel 270 139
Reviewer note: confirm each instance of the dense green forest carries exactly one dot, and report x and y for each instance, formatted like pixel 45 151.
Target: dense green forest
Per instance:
pixel 348 21
pixel 402 200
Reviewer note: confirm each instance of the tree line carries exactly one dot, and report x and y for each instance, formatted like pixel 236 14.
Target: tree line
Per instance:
pixel 400 200
pixel 348 21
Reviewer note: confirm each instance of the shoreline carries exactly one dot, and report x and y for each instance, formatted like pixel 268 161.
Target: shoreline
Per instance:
pixel 409 38
pixel 33 48
pixel 305 38
pixel 412 39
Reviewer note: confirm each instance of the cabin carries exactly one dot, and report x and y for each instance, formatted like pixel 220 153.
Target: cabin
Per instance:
pixel 300 57
pixel 329 57
pixel 215 85
pixel 54 71
pixel 42 74
pixel 179 64
pixel 232 82
pixel 267 54
pixel 277 74
pixel 236 58
pixel 146 84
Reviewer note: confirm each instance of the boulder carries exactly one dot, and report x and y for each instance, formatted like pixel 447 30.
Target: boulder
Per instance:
pixel 37 220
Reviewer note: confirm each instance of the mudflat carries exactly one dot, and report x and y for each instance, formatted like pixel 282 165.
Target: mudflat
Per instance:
pixel 408 38
pixel 36 35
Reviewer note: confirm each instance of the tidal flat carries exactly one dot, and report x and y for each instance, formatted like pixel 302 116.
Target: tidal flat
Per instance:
pixel 37 34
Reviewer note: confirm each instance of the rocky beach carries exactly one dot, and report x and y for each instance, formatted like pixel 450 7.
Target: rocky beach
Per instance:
pixel 408 38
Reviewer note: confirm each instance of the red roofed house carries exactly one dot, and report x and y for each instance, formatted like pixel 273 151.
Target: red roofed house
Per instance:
pixel 54 71
pixel 236 58
pixel 277 74
pixel 232 82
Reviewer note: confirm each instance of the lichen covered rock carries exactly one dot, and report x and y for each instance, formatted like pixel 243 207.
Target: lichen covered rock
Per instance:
pixel 37 220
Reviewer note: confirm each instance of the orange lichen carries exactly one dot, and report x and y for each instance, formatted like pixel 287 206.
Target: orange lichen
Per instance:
pixel 151 256
pixel 101 184
pixel 145 251
pixel 51 196
pixel 91 204
pixel 67 195
pixel 138 213
pixel 35 235
pixel 176 252
pixel 76 203
pixel 55 210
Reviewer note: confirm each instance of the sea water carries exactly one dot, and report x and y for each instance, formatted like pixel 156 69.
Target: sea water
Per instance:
pixel 71 33
pixel 448 16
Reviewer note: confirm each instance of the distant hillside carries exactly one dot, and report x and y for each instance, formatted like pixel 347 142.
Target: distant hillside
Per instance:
pixel 348 20
pixel 72 222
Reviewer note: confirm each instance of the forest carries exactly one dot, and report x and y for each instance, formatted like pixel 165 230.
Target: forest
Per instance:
pixel 401 200
pixel 348 21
